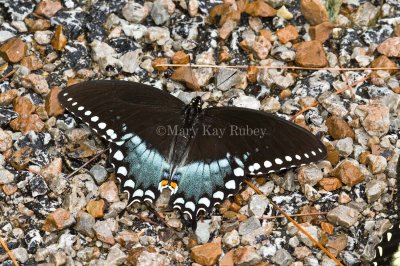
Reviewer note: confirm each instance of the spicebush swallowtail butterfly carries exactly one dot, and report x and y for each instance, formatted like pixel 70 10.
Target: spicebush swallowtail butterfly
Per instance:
pixel 388 251
pixel 201 155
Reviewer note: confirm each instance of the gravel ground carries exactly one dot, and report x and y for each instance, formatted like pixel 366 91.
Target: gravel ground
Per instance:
pixel 50 217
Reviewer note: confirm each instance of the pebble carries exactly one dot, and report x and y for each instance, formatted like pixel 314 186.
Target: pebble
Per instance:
pixel 33 240
pixel 203 231
pixel 58 220
pixel 84 224
pixel 374 118
pixel 247 255
pixel 96 208
pixel 116 256
pixel 343 216
pixel 270 104
pixel 109 191
pixel 20 254
pixel 131 61
pixel 333 104
pixel 13 50
pixel 287 34
pixel 338 128
pixel 43 37
pixel 48 8
pixel 231 239
pixel 366 15
pixel 249 225
pixel 103 232
pixel 330 184
pixel 157 35
pixel 5 140
pixel 37 83
pixel 206 254
pixel 257 205
pixel 247 102
pixel 374 189
pixel 310 54
pixel 227 259
pixel 284 13
pixel 376 164
pixel 52 104
pixel 345 146
pixel 6 177
pixel 390 47
pixel 321 32
pixel 259 8
pixel 99 173
pixel 161 11
pixel 253 237
pixel 135 12
pixel 314 11
pixel 348 173
pixel 282 257
pixel 309 174
pixel 32 62
pixel 59 40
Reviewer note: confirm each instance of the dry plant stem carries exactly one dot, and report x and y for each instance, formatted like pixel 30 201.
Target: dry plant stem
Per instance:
pixel 293 215
pixel 336 92
pixel 88 162
pixel 286 67
pixel 4 245
pixel 8 75
pixel 287 216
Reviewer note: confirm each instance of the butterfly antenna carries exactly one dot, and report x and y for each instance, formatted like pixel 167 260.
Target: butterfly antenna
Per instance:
pixel 287 216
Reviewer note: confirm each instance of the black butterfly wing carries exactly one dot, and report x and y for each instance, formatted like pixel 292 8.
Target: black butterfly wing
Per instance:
pixel 129 115
pixel 234 142
pixel 388 251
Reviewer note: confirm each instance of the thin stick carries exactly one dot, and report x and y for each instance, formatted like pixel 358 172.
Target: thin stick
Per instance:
pixel 286 67
pixel 293 215
pixel 88 162
pixel 8 75
pixel 4 245
pixel 296 224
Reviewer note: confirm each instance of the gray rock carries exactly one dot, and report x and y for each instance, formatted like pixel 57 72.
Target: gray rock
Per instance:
pixel 227 78
pixel 6 177
pixel 131 61
pixel 161 11
pixel 333 104
pixel 99 173
pixel 257 205
pixel 157 35
pixel 231 239
pixel 345 146
pixel 247 102
pixel 311 261
pixel 110 66
pixel 21 254
pixel 85 223
pixel 43 37
pixel 101 49
pixel 136 31
pixel 253 237
pixel 251 224
pixel 309 174
pixel 5 35
pixel 374 190
pixel 135 12
pixel 366 15
pixel 376 164
pixel 283 53
pixel 103 231
pixel 203 231
pixel 343 215
pixel 37 185
pixel 115 209
pixel 312 230
pixel 116 256
pixel 282 257
pixel 270 104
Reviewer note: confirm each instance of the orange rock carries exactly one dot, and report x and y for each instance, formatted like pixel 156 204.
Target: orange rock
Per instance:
pixel 285 93
pixel 252 74
pixel 8 97
pixel 333 154
pixel 127 238
pixel 232 15
pixel 9 189
pixel 227 260
pixel 185 74
pixel 338 128
pixel 310 54
pixel 224 55
pixel 384 61
pixel 206 254
pixel 159 61
pixel 397 30
pixel 218 11
pixel 321 32
pixel 52 105
pixel 259 8
pixel 226 29
pixel 59 40
pixel 243 255
pixel 52 170
pixel 32 62
pixel 13 50
pixel 287 34
pixel 21 158
pixel 25 123
pixel 344 198
pixel 390 47
pixel 327 228
pixel 47 8
pixel 348 173
pixel 96 208
pixel 57 220
pixel 330 184
pixel 314 11
pixel 337 244
pixel 23 106
pixel 306 210
pixel 37 24
pixel 180 57
pixel 109 191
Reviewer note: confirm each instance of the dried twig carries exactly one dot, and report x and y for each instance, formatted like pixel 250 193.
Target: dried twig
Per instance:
pixel 4 245
pixel 9 74
pixel 88 162
pixel 293 215
pixel 285 67
pixel 287 216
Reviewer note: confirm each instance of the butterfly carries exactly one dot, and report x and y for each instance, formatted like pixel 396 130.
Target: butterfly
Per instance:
pixel 387 252
pixel 201 155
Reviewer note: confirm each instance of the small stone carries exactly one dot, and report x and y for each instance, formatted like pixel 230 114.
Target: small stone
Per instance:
pixel 21 158
pixel 103 232
pixel 37 24
pixel 257 205
pixel 127 239
pixel 8 189
pixel 310 54
pixel 58 220
pixel 390 47
pixel 227 28
pixel 52 170
pixel 109 191
pixel 203 231
pixel 96 208
pixel 302 252
pixel 13 50
pixel 206 254
pixel 284 13
pixel 48 8
pixel 5 140
pixel 26 123
pixel 253 236
pixel 345 146
pixel 227 259
pixel 85 223
pixel 135 12
pixel 185 74
pixel 384 62
pixel 338 128
pixel 247 102
pixel 59 40
pixel 160 61
pixel 6 177
pixel 259 8
pixel 99 173
pixel 366 15
pixel 333 104
pixel 110 66
pixel 231 239
pixel 32 62
pixel 309 174
pixel 344 198
pixel 287 34
pixel 180 57
pixel 43 37
pixel 193 7
pixel 314 11
pixel 343 216
pixel 327 228
pixel 337 244
pixel 161 11
pixel 131 61
pixel 157 35
pixel 330 184
pixel 247 255
pixel 282 257
pixel 52 104
pixel 37 83
pixel 7 97
pixel 377 164
pixel 20 254
pixel 348 173
pixel 249 225
pixel 321 32
pixel 116 256
pixel 374 117
pixel 252 74
pixel 374 190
